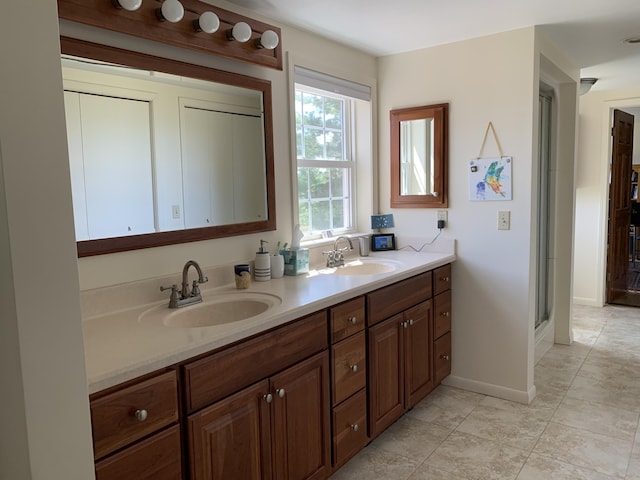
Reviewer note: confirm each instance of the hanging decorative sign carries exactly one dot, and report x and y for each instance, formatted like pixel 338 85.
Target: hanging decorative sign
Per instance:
pixel 490 178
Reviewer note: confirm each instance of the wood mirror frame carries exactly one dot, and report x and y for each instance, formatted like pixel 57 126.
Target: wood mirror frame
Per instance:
pixel 105 53
pixel 438 198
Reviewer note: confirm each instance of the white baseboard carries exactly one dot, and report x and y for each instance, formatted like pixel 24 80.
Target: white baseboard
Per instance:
pixel 589 302
pixel 498 391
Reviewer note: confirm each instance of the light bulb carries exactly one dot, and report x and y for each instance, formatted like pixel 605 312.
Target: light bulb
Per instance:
pixel 130 5
pixel 171 11
pixel 268 40
pixel 208 22
pixel 241 32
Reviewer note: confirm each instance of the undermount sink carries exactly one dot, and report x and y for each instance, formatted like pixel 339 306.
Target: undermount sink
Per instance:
pixel 217 309
pixel 364 267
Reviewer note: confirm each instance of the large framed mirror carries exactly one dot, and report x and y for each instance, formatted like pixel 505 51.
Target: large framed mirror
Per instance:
pixel 164 152
pixel 419 156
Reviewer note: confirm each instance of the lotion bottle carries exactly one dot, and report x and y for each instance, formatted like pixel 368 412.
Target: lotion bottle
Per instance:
pixel 262 266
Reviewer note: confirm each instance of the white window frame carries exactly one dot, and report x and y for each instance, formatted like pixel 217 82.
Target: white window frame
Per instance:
pixel 348 163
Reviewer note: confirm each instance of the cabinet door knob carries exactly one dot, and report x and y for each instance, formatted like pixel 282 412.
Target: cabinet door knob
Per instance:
pixel 268 398
pixel 355 427
pixel 280 392
pixel 410 321
pixel 354 367
pixel 444 314
pixel 141 415
pixel 444 356
pixel 353 320
pixel 405 324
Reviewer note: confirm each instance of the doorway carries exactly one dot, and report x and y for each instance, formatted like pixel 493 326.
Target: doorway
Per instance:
pixel 623 265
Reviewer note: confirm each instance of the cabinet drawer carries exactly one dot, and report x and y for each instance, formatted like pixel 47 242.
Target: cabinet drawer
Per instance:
pixel 349 428
pixel 442 279
pixel 442 314
pixel 442 354
pixel 156 458
pixel 388 301
pixel 113 416
pixel 349 373
pixel 220 374
pixel 346 319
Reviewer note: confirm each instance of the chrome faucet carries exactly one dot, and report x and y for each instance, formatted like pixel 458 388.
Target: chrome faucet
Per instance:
pixel 335 257
pixel 187 296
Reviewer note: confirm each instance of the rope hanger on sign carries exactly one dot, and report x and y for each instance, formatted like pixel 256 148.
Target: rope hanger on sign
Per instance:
pixel 495 138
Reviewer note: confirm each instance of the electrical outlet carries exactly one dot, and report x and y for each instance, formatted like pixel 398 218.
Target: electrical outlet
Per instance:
pixel 175 212
pixel 442 215
pixel 504 220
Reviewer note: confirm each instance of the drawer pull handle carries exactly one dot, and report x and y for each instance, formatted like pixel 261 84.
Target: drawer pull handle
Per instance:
pixel 280 392
pixel 355 427
pixel 405 324
pixel 141 415
pixel 444 356
pixel 268 398
pixel 444 314
pixel 353 320
pixel 354 367
pixel 410 321
pixel 444 279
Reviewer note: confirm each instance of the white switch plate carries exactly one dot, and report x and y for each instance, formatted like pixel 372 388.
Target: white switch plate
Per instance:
pixel 175 212
pixel 504 220
pixel 442 215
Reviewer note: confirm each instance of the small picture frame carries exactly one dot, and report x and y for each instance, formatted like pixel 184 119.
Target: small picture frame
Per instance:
pixel 381 242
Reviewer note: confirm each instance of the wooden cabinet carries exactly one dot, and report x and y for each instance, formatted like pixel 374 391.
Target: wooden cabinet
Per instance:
pixel 400 365
pixel 121 417
pixel 442 323
pixel 277 428
pixel 348 379
pixel 294 403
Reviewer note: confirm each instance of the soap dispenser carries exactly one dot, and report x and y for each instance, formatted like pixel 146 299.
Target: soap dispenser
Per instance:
pixel 262 267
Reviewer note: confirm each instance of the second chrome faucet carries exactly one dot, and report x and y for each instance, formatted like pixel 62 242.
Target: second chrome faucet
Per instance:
pixel 186 296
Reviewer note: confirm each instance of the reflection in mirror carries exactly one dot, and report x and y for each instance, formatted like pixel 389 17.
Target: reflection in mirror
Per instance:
pixel 416 157
pixel 163 152
pixel 419 160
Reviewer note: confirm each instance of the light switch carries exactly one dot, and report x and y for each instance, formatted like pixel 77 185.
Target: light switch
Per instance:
pixel 504 220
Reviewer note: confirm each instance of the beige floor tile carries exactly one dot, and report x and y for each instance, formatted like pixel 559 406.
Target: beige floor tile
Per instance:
pixel 597 418
pixel 446 406
pixel 412 438
pixel 633 471
pixel 429 472
pixel 474 458
pixel 608 385
pixel 539 467
pixel 510 423
pixel 375 464
pixel 585 449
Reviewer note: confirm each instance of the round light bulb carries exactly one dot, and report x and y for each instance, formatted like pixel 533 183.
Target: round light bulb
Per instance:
pixel 241 32
pixel 130 5
pixel 208 22
pixel 268 40
pixel 172 11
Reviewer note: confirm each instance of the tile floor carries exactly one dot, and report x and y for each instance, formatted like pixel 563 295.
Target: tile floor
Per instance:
pixel 583 424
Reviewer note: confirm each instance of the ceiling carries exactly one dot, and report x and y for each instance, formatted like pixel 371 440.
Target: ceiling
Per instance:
pixel 591 32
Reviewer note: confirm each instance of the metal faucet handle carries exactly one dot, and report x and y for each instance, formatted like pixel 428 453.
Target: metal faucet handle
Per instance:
pixel 195 289
pixel 173 299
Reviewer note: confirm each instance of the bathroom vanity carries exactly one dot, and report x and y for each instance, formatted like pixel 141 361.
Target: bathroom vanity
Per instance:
pixel 292 393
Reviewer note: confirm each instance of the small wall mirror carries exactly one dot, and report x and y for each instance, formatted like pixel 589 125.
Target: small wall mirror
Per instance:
pixel 164 152
pixel 419 157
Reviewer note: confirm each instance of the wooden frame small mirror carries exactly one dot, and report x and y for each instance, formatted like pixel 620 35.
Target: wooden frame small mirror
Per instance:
pixel 419 156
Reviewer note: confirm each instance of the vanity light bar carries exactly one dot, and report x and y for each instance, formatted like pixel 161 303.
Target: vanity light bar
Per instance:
pixel 184 23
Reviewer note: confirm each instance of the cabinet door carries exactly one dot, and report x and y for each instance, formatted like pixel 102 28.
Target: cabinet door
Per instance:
pixel 418 343
pixel 301 423
pixel 386 374
pixel 230 439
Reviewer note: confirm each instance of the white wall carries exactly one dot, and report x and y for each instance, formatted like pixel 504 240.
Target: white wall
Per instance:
pixel 592 190
pixel 44 411
pixel 495 79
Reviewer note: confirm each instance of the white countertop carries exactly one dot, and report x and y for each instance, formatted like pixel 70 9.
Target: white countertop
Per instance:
pixel 118 347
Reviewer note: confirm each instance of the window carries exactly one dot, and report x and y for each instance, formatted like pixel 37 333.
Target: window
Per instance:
pixel 325 151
